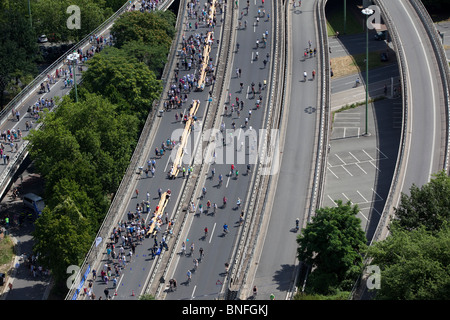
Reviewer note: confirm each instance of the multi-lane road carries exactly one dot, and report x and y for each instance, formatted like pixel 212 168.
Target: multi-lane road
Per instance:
pixel 274 264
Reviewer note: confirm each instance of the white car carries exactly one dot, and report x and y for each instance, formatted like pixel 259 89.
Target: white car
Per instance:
pixel 43 38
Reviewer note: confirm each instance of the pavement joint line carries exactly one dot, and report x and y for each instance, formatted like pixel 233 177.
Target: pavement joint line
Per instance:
pixel 332 200
pixel 361 168
pixel 367 154
pixel 333 173
pixel 377 194
pixel 347 198
pixel 386 157
pixel 340 159
pixel 350 163
pixel 362 196
pixel 347 171
pixel 360 212
pixel 374 166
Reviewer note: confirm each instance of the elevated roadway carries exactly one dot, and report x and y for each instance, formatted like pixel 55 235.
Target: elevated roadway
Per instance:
pixel 424 149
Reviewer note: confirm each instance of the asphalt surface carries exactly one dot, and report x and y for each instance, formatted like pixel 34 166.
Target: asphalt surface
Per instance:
pixel 425 97
pixel 360 168
pixel 276 265
pixel 207 280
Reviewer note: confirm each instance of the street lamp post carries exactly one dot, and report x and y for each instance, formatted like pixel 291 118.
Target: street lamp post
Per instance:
pixel 367 12
pixel 73 57
pixel 29 13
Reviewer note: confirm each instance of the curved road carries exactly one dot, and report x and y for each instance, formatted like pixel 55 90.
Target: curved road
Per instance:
pixel 427 140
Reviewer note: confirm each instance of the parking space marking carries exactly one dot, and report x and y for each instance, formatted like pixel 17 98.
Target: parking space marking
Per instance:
pixel 361 168
pixel 368 154
pixel 340 159
pixel 362 196
pixel 333 172
pixel 334 203
pixel 347 171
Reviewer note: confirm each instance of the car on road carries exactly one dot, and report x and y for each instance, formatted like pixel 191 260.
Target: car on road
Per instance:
pixel 384 56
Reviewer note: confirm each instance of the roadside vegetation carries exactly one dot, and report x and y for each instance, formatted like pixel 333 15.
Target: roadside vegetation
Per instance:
pixel 20 55
pixel 335 19
pixel 84 148
pixel 413 259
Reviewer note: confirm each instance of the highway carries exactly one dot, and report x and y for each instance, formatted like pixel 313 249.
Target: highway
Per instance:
pixel 207 280
pixel 275 262
pixel 425 150
pixel 276 265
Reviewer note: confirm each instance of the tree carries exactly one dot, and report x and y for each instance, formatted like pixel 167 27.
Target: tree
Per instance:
pixel 414 264
pixel 125 81
pixel 61 238
pixel 427 206
pixel 50 18
pixel 18 52
pixel 332 245
pixel 151 28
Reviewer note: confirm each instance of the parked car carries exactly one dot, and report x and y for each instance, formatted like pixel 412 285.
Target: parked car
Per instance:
pixel 380 35
pixel 42 39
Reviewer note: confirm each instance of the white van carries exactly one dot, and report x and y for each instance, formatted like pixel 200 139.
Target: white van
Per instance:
pixel 34 202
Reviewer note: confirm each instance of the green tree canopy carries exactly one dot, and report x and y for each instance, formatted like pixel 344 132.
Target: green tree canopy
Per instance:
pixel 151 28
pixel 427 206
pixel 332 245
pixel 126 82
pixel 414 264
pixel 18 51
pixel 50 18
pixel 61 238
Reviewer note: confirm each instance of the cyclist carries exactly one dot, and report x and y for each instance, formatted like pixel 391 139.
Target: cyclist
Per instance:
pixel 256 55
pixel 297 221
pixel 214 207
pixel 304 75
pixel 255 292
pixel 192 249
pixel 201 252
pixel 238 202
pixel 220 179
pixel 225 228
pixel 206 231
pixel 224 201
pixel 237 174
pixel 248 168
pixel 204 191
pixel 357 81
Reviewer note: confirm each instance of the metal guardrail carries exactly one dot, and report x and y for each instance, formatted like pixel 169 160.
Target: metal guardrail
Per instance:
pixel 325 109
